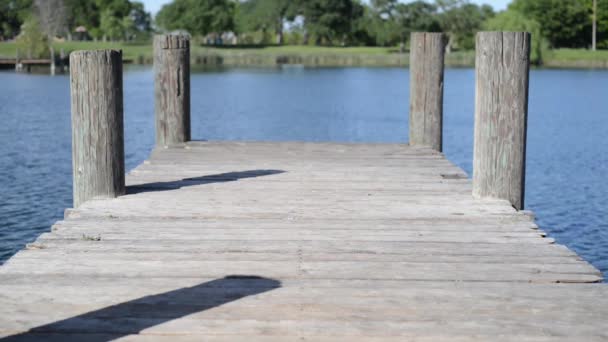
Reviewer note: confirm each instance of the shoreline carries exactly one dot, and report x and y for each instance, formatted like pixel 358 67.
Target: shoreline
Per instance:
pixel 455 59
pixel 342 61
pixel 351 60
pixel 313 56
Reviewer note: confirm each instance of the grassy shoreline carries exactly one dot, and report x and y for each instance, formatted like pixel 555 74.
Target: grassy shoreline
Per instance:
pixel 315 56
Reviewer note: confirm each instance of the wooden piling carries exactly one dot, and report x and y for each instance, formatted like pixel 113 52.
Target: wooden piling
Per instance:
pixel 426 89
pixel 17 62
pixel 501 110
pixel 52 59
pixel 61 61
pixel 97 124
pixel 28 67
pixel 172 89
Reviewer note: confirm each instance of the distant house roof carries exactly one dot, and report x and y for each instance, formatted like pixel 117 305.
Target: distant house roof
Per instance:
pixel 81 29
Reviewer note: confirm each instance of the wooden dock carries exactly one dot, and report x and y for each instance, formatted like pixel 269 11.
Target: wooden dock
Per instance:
pixel 299 242
pixel 294 241
pixel 55 63
pixel 33 61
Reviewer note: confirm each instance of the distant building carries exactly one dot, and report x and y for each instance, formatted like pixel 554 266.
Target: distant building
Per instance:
pixel 81 33
pixel 180 33
pixel 225 38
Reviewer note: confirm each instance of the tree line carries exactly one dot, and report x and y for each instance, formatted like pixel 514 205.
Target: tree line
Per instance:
pixel 101 19
pixel 554 23
pixel 326 22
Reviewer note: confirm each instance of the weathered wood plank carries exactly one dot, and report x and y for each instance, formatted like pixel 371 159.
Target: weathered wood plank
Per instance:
pixel 404 248
pixel 296 254
pixel 550 273
pixel 364 242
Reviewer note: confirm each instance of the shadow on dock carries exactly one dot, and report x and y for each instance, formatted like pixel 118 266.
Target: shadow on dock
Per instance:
pixel 217 178
pixel 132 317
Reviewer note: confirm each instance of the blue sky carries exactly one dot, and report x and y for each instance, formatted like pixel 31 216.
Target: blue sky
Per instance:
pixel 154 5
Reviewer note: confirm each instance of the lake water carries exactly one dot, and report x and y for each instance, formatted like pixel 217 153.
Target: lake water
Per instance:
pixel 567 135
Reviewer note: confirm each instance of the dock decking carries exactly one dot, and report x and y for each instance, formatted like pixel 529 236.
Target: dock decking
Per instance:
pixel 299 242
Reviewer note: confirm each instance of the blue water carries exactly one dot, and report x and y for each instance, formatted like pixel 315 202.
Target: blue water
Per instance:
pixel 567 135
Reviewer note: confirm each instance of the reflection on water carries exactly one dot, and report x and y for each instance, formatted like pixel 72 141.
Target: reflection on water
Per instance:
pixel 567 136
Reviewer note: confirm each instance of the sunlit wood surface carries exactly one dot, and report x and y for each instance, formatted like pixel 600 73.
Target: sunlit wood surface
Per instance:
pixel 299 242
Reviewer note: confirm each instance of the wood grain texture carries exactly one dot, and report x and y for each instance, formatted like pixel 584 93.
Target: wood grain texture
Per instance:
pixel 172 89
pixel 330 242
pixel 501 113
pixel 426 89
pixel 97 125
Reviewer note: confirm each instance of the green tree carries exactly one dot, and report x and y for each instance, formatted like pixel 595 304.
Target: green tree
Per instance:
pixel 602 23
pixel 565 23
pixel 12 15
pixel 32 42
pixel 254 15
pixel 172 16
pixel 511 20
pixel 116 19
pixel 382 24
pixel 115 22
pixel 199 17
pixel 357 13
pixel 363 31
pixel 141 19
pixel 84 13
pixel 329 20
pixel 418 16
pixel 244 18
pixel 461 19
pixel 390 22
pixel 138 23
pixel 384 8
pixel 111 26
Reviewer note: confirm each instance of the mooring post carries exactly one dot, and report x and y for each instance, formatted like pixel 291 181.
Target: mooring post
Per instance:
pixel 61 61
pixel 501 110
pixel 52 52
pixel 172 89
pixel 17 63
pixel 426 89
pixel 28 66
pixel 97 124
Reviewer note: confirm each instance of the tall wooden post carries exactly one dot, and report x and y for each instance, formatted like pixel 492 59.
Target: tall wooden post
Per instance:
pixel 97 124
pixel 501 110
pixel 426 89
pixel 172 89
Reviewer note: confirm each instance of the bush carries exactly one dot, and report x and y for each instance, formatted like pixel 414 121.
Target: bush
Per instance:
pixel 31 41
pixel 293 38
